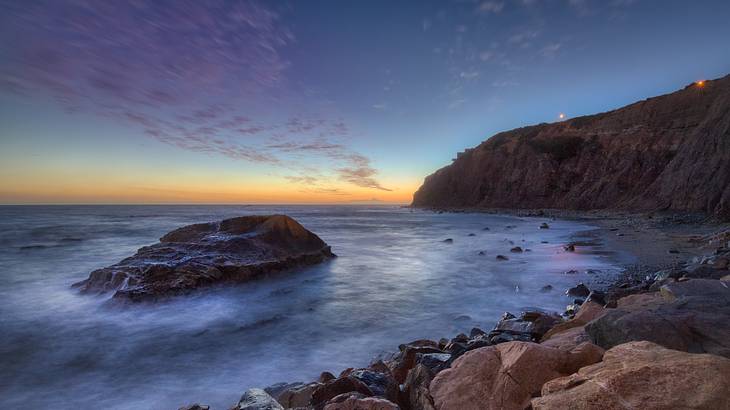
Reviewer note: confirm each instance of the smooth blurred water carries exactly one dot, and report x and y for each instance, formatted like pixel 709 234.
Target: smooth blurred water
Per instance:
pixel 394 281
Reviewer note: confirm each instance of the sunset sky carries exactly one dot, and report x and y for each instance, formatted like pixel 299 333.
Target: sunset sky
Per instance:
pixel 312 101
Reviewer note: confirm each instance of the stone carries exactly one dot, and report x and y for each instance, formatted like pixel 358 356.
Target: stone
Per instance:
pixel 516 249
pixel 195 406
pixel 233 250
pixel 475 331
pixel 579 290
pixel 353 402
pixel 544 225
pixel 416 395
pixel 448 240
pixel 531 325
pixel 689 316
pixel 546 288
pixel 406 359
pixel 325 377
pixel 569 247
pixel 257 399
pixel 380 384
pixel 587 312
pixel 505 376
pixel 642 375
pixel 502 258
pixel 294 395
pixel 567 339
pixel 332 388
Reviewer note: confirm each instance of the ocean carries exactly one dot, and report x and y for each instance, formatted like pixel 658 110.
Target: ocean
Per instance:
pixel 394 280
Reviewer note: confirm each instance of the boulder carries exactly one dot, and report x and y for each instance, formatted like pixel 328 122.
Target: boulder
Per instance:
pixel 587 312
pixel 406 359
pixel 567 339
pixel 532 324
pixel 257 399
pixel 642 375
pixel 505 376
pixel 356 402
pixel 233 250
pixel 293 395
pixel 195 406
pixel 690 316
pixel 332 388
pixel 416 395
pixel 579 290
pixel 380 383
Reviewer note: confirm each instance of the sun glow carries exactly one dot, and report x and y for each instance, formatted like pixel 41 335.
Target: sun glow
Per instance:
pixel 700 83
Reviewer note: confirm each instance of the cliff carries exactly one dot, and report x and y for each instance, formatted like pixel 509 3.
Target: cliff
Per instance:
pixel 667 153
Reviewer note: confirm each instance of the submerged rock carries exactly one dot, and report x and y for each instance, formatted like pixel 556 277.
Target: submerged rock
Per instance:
pixel 233 250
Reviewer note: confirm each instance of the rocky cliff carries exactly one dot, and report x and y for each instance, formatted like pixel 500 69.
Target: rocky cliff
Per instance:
pixel 667 153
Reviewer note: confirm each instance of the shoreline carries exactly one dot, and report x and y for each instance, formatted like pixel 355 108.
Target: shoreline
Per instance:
pixel 656 243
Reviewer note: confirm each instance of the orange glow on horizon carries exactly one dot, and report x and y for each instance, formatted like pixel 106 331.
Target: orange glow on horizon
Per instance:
pixel 700 83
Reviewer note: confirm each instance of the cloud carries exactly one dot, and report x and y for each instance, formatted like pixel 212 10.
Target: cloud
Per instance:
pixel 550 50
pixel 304 179
pixel 490 7
pixel 361 175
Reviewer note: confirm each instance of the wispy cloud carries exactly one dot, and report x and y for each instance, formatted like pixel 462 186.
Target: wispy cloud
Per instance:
pixel 490 6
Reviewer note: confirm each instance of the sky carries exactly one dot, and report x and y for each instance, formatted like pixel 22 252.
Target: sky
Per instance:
pixel 220 101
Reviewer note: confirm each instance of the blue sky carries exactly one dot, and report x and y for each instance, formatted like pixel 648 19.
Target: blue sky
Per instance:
pixel 312 101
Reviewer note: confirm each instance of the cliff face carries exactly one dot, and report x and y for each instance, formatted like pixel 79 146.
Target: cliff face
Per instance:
pixel 665 153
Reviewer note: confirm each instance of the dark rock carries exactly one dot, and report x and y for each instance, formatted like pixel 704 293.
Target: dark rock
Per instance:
pixel 406 359
pixel 232 250
pixel 546 288
pixel 325 377
pixel 472 234
pixel 692 316
pixel 544 225
pixel 486 228
pixel 516 249
pixel 293 395
pixel 448 240
pixel 673 251
pixel 434 361
pixel 257 399
pixel 580 290
pixel 502 258
pixel 475 331
pixel 195 406
pixel 415 389
pixel 596 296
pixel 482 253
pixel 569 247
pixel 380 384
pixel 705 272
pixel 333 388
pixel 531 325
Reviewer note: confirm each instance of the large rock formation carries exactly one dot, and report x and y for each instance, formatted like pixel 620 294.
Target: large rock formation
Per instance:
pixel 506 376
pixel 642 375
pixel 232 250
pixel 665 153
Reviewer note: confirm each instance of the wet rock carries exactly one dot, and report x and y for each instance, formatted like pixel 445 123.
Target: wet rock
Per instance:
pixel 293 395
pixel 546 288
pixel 406 359
pixel 332 388
pixel 642 375
pixel 380 384
pixel 516 249
pixel 505 376
pixel 502 258
pixel 580 290
pixel 482 253
pixel 544 225
pixel 232 250
pixel 325 377
pixel 475 331
pixel 435 362
pixel 486 228
pixel 472 234
pixel 356 402
pixel 416 395
pixel 531 325
pixel 195 406
pixel 569 247
pixel 257 399
pixel 448 240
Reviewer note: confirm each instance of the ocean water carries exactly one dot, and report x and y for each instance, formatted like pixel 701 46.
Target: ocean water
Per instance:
pixel 395 280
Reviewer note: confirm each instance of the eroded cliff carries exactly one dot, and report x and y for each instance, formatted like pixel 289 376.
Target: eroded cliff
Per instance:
pixel 670 152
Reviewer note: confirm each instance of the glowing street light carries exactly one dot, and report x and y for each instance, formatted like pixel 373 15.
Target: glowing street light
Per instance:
pixel 700 83
pixel 561 116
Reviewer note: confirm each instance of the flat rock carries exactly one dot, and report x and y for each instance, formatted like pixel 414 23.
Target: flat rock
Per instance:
pixel 505 376
pixel 257 399
pixel 233 250
pixel 642 375
pixel 354 402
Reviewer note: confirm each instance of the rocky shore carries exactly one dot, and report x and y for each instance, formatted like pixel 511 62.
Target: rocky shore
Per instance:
pixel 657 337
pixel 233 250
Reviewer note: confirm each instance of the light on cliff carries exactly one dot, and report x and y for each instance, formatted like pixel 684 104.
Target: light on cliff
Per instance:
pixel 700 83
pixel 561 116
